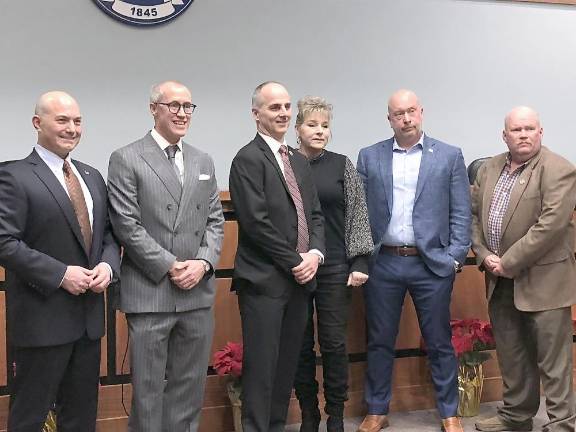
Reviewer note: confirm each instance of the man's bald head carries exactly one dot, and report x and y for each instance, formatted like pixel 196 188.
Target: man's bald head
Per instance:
pixel 522 133
pixel 58 121
pixel 405 117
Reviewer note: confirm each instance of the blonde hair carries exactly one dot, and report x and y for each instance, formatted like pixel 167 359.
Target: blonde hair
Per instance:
pixel 311 104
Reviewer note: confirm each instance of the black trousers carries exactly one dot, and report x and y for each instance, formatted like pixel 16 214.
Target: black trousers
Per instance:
pixel 332 303
pixel 272 329
pixel 64 374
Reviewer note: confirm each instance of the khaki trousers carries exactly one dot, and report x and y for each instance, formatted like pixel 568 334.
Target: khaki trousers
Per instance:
pixel 533 347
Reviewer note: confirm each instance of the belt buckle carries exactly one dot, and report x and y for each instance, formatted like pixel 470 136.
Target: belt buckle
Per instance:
pixel 403 251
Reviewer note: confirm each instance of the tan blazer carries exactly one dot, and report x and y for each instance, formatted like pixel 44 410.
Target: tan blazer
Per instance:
pixel 537 243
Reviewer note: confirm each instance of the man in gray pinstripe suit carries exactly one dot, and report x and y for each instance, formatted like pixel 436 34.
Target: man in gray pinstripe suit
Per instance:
pixel 166 212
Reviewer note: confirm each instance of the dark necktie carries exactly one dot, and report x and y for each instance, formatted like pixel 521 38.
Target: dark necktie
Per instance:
pixel 78 203
pixel 171 152
pixel 303 236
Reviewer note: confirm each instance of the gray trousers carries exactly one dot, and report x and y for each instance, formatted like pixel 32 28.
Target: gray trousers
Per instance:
pixel 533 347
pixel 175 346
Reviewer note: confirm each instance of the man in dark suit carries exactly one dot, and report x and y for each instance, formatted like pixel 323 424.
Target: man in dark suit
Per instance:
pixel 60 255
pixel 281 239
pixel 166 213
pixel 419 206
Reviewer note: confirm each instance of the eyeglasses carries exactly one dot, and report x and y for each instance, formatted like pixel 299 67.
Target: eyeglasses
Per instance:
pixel 174 107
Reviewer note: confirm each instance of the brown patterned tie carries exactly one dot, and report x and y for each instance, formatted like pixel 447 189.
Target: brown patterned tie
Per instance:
pixel 78 203
pixel 303 236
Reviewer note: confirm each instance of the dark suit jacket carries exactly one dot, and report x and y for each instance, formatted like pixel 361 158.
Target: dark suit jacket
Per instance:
pixel 39 237
pixel 268 224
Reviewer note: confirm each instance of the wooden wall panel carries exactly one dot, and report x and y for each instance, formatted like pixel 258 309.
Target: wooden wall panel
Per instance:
pixel 122 352
pixel 229 245
pixel 227 326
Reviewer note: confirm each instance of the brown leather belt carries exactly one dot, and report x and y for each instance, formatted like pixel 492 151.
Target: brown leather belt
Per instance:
pixel 400 250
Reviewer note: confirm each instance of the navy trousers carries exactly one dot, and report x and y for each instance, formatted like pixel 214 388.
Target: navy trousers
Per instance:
pixel 390 278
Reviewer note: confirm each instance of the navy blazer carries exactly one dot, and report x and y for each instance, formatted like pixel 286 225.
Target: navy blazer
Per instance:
pixel 39 237
pixel 441 214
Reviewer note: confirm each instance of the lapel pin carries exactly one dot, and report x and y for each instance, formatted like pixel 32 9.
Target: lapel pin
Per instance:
pixel 431 151
pixel 86 172
pixel 290 151
pixel 522 181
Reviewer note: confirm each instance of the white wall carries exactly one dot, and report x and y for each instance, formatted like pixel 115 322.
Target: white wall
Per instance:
pixel 469 61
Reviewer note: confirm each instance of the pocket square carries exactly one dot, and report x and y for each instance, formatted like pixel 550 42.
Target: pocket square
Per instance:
pixel 203 177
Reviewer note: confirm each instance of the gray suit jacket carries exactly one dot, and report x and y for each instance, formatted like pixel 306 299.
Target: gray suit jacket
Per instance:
pixel 157 220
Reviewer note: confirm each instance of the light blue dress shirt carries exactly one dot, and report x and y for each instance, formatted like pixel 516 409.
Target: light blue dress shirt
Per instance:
pixel 405 169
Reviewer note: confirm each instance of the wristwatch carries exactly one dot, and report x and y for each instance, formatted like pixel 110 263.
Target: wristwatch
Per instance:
pixel 207 266
pixel 457 267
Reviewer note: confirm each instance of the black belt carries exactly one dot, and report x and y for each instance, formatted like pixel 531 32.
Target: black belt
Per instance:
pixel 400 250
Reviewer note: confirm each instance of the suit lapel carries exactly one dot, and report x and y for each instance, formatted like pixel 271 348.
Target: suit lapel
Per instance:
pixel 517 191
pixel 158 161
pixel 386 171
pixel 190 183
pixel 271 158
pixel 55 188
pixel 426 164
pixel 492 174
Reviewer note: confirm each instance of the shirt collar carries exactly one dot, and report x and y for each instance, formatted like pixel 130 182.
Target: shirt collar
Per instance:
pixel 272 143
pixel 509 162
pixel 53 161
pixel 161 141
pixel 418 145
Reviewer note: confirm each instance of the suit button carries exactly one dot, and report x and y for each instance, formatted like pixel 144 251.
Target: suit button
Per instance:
pixel 198 206
pixel 169 207
pixel 196 233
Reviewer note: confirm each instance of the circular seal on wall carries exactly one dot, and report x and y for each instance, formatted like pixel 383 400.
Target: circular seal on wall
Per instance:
pixel 144 12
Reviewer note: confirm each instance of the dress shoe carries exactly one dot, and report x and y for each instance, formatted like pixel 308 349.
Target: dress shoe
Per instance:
pixel 335 424
pixel 373 423
pixel 498 424
pixel 452 424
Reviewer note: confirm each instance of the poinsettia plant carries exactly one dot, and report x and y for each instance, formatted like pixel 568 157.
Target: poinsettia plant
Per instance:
pixel 228 361
pixel 470 339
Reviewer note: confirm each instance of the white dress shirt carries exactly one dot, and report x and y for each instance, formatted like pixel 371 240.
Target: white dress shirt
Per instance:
pixel 178 158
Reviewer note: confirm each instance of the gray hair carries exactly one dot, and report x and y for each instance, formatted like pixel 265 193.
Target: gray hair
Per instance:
pixel 256 102
pixel 312 104
pixel 156 90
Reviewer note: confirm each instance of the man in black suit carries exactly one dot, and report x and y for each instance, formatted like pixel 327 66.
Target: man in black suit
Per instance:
pixel 59 254
pixel 281 239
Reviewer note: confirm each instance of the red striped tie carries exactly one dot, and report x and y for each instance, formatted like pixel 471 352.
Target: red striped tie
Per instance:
pixel 303 236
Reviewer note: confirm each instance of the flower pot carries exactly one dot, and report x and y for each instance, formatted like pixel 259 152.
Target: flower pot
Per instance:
pixel 234 391
pixel 470 382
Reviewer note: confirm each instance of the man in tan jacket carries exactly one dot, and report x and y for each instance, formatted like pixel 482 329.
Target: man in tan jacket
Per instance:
pixel 523 238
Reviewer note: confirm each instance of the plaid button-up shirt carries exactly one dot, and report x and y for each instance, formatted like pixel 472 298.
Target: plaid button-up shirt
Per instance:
pixel 499 204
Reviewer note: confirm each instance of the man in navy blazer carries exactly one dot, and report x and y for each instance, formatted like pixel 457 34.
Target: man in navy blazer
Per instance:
pixel 419 206
pixel 57 246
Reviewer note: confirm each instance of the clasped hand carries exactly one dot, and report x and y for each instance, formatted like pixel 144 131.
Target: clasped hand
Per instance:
pixel 306 270
pixel 187 274
pixel 77 280
pixel 493 264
